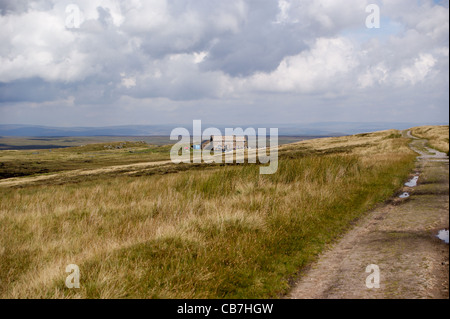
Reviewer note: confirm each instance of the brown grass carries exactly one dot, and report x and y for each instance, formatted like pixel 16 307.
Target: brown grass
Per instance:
pixel 224 232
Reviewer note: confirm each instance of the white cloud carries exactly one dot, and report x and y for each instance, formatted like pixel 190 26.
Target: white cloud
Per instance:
pixel 377 74
pixel 40 46
pixel 416 72
pixel 227 51
pixel 199 57
pixel 128 82
pixel 318 69
pixel 284 7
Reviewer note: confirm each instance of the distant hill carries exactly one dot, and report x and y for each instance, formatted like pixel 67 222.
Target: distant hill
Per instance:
pixel 47 131
pixel 310 129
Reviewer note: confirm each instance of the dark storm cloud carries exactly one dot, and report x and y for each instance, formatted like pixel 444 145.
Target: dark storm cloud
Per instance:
pixel 13 6
pixel 31 90
pixel 22 6
pixel 259 46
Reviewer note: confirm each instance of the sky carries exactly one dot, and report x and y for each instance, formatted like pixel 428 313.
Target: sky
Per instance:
pixel 108 62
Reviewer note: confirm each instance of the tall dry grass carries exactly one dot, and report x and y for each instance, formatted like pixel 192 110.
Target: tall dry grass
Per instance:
pixel 218 233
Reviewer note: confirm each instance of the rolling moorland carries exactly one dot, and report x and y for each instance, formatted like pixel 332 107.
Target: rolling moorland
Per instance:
pixel 31 155
pixel 139 226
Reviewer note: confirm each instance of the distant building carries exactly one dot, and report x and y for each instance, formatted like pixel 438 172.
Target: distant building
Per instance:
pixel 226 143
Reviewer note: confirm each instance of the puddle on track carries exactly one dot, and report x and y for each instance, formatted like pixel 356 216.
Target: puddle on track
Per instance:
pixel 443 235
pixel 404 195
pixel 412 182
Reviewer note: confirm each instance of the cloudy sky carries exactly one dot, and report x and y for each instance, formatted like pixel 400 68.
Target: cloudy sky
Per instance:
pixel 108 62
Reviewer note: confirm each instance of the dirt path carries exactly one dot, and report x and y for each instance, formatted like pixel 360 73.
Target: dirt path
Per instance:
pixel 15 181
pixel 400 238
pixel 127 169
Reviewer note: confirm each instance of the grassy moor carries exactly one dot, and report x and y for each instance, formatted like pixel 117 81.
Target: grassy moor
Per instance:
pixel 184 230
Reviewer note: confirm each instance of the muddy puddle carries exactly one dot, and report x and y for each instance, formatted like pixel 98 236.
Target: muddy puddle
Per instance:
pixel 404 195
pixel 443 235
pixel 413 181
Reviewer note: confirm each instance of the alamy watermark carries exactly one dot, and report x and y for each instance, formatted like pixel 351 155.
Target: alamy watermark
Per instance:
pixel 73 16
pixel 237 144
pixel 373 280
pixel 373 19
pixel 73 280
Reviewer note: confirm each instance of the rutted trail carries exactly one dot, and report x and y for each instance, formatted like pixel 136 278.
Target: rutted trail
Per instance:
pixel 15 181
pixel 399 237
pixel 126 169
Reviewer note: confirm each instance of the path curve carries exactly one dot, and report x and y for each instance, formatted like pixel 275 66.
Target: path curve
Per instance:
pixel 16 181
